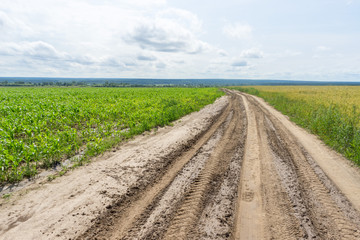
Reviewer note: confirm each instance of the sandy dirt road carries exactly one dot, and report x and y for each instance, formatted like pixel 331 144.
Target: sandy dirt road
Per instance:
pixel 238 169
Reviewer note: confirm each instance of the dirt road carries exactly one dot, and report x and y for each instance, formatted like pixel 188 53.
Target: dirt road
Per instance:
pixel 237 169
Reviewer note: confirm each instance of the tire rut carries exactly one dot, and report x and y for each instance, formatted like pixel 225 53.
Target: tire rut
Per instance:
pixel 154 221
pixel 189 213
pixel 124 211
pixel 249 224
pixel 318 213
pixel 246 177
pixel 217 219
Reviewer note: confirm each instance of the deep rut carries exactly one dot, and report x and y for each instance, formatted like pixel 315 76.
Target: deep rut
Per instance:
pixel 246 177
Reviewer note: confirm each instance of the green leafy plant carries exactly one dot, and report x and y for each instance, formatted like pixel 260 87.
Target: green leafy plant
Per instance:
pixel 41 127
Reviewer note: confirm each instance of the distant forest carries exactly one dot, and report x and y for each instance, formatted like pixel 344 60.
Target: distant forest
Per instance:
pixel 142 82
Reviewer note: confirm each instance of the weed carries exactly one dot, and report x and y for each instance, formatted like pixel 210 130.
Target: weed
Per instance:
pixel 330 112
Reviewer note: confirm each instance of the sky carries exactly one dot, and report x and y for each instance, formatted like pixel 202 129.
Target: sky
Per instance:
pixel 233 39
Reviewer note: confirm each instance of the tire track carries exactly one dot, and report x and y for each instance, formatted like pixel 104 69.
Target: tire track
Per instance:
pixel 269 216
pixel 190 210
pixel 318 213
pixel 123 213
pixel 246 177
pixel 217 219
pixel 249 224
pixel 155 220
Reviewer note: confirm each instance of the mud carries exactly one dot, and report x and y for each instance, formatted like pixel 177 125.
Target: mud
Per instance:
pixel 237 169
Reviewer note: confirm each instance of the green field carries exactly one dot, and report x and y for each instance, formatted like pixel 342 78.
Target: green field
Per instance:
pixel 41 127
pixel 331 112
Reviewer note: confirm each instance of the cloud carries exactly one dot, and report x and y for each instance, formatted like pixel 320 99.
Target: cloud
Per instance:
pixel 322 49
pixel 38 49
pixel 239 63
pixel 252 53
pixel 179 61
pixel 288 53
pixel 222 53
pixel 44 53
pixel 161 65
pixel 238 31
pixel 146 58
pixel 4 19
pixel 130 63
pixel 12 26
pixel 182 17
pixel 165 37
pixel 112 62
pixel 139 3
pixel 2 22
pixel 172 30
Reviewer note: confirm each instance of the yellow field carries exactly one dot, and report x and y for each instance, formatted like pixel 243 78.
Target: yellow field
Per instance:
pixel 331 112
pixel 345 97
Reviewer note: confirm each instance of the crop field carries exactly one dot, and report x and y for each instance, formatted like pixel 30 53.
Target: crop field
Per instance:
pixel 40 127
pixel 236 169
pixel 331 112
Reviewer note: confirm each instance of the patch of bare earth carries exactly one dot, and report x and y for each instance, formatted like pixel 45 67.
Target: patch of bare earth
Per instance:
pixel 238 169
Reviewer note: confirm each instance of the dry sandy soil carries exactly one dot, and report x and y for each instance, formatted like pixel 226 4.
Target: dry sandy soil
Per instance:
pixel 237 169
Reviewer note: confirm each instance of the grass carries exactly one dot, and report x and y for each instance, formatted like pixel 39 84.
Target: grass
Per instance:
pixel 41 127
pixel 331 112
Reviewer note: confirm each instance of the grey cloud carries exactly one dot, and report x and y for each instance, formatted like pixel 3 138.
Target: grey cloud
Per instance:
pixel 83 60
pixel 146 58
pixel 3 19
pixel 44 53
pixel 156 39
pixel 222 53
pixel 37 49
pixel 161 65
pixel 112 62
pixel 179 61
pixel 41 50
pixel 252 53
pixel 130 63
pixel 239 64
pixel 164 37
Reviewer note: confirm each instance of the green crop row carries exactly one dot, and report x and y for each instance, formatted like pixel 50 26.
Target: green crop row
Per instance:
pixel 41 127
pixel 320 110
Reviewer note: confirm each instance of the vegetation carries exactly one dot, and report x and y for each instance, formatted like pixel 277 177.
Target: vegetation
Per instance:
pixel 333 113
pixel 151 82
pixel 41 127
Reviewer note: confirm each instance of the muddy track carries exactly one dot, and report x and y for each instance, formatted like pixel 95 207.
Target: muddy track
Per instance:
pixel 178 198
pixel 249 173
pixel 247 177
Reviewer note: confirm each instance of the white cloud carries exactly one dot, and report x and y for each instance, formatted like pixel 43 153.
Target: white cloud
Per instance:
pixel 161 65
pixel 252 53
pixel 287 53
pixel 322 49
pixel 238 31
pixel 112 62
pixel 144 57
pixel 222 53
pixel 12 27
pixel 138 3
pixel 35 53
pixel 36 49
pixel 155 38
pixel 165 35
pixel 183 17
pixel 239 63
